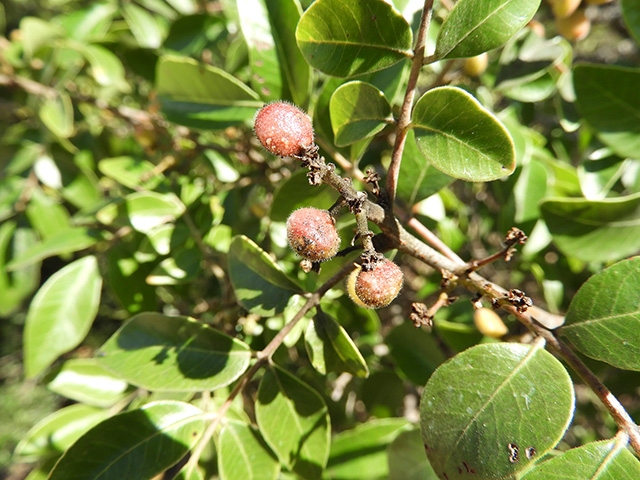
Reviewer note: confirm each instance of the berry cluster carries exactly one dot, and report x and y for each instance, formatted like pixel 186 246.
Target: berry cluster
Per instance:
pixel 286 131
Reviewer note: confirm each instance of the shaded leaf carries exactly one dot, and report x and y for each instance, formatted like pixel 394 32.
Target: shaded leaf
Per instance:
pixel 631 15
pixel 594 231
pixel 462 138
pixel 331 349
pixel 605 460
pixel 295 193
pixel 259 284
pixel 17 285
pixel 608 100
pixel 242 453
pixel 362 452
pixel 294 422
pixel 203 96
pixel 61 313
pixel 137 444
pixel 472 27
pixel 358 110
pixel 164 353
pixel 478 408
pixel 603 320
pixel 148 210
pixel 407 460
pixel 345 39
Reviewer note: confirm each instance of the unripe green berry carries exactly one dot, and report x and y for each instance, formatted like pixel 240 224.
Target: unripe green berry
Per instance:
pixel 283 129
pixel 312 234
pixel 376 288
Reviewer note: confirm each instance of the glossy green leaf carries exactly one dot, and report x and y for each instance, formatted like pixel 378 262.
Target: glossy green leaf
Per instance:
pixel 164 353
pixel 462 138
pixel 259 284
pixel 130 172
pixel 331 349
pixel 61 313
pixel 46 215
pixel 17 285
pixel 358 110
pixel 181 267
pixel 631 15
pixel 61 243
pixel 57 115
pixel 279 69
pixel 415 352
pixel 294 422
pixel 604 460
pixel 203 96
pixel 57 432
pixel 597 176
pixel 148 210
pixel 143 25
pixel 106 68
pixel 529 190
pixel 418 178
pixel 482 409
pixel 603 320
pixel 86 381
pixel 594 231
pixel 242 453
pixel 607 99
pixel 349 38
pixel 474 27
pixel 137 444
pixel 407 460
pixel 91 23
pixel 362 452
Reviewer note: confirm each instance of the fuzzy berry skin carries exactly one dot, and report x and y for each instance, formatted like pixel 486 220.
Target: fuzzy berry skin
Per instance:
pixel 312 234
pixel 283 129
pixel 376 288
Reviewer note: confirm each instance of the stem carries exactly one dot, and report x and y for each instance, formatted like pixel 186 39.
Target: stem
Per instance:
pixel 430 237
pixel 405 113
pixel 264 357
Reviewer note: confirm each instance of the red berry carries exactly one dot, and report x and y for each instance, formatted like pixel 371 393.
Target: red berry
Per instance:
pixel 375 288
pixel 283 129
pixel 312 234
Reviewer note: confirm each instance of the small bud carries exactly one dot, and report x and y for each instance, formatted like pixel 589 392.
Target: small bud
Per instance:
pixel 489 323
pixel 312 234
pixel 475 66
pixel 283 129
pixel 574 27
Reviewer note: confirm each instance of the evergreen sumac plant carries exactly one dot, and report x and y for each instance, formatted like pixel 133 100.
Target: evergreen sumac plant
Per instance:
pixel 176 180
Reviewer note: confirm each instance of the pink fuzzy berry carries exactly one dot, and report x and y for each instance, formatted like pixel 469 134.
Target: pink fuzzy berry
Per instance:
pixel 283 129
pixel 376 288
pixel 312 234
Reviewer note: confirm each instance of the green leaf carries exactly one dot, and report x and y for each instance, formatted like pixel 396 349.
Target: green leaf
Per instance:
pixel 599 175
pixel 361 452
pixel 294 422
pixel 407 459
pixel 603 320
pixel 203 96
pixel 415 352
pixel 349 38
pixel 182 267
pixel 164 353
pixel 37 33
pixel 86 381
pixel 106 68
pixel 474 27
pixel 529 190
pixel 89 24
pixel 279 69
pixel 331 349
pixel 462 138
pixel 57 115
pixel 130 172
pixel 148 210
pixel 491 401
pixel 61 314
pixel 57 432
pixel 604 460
pixel 594 231
pixel 631 15
pixel 126 278
pixel 61 243
pixel 17 285
pixel 418 179
pixel 46 215
pixel 607 99
pixel 358 110
pixel 259 284
pixel 137 444
pixel 295 193
pixel 242 453
pixel 143 25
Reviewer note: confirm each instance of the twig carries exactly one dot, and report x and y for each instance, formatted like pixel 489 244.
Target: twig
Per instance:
pixel 404 120
pixel 434 240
